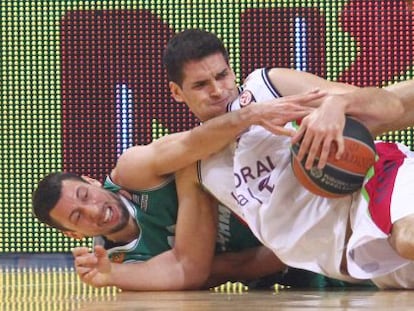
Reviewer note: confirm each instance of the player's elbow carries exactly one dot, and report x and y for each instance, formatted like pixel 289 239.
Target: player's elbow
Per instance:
pixel 194 270
pixel 195 276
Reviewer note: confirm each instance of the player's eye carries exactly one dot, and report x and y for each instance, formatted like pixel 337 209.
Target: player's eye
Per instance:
pixel 199 85
pixel 222 75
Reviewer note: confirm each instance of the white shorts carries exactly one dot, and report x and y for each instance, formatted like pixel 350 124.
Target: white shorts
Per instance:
pixel 385 199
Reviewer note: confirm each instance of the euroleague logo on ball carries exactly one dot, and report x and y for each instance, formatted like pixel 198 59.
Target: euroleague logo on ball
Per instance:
pixel 246 98
pixel 316 172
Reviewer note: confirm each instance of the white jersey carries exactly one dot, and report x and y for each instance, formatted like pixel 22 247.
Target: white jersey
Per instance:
pixel 304 230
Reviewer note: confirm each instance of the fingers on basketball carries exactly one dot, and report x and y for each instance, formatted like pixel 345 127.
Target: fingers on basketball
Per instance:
pixel 340 176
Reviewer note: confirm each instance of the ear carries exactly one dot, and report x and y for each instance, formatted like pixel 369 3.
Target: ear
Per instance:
pixel 73 235
pixel 176 92
pixel 92 181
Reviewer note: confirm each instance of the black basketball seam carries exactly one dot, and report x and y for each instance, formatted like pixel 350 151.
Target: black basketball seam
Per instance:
pixel 371 148
pixel 345 171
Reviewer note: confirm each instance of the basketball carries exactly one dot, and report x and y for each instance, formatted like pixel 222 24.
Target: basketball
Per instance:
pixel 339 177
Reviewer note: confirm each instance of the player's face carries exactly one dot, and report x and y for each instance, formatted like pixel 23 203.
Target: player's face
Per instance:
pixel 208 86
pixel 89 209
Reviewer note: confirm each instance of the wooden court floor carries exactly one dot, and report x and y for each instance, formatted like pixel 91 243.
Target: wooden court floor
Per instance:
pixel 58 288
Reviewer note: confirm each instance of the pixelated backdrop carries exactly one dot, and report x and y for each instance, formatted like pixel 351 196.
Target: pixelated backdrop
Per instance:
pixel 82 80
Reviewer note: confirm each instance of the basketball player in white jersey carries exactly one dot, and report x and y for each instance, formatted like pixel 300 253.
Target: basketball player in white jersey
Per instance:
pixel 287 229
pixel 206 83
pixel 305 230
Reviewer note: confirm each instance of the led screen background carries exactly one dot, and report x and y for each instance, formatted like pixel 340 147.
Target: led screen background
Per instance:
pixel 82 80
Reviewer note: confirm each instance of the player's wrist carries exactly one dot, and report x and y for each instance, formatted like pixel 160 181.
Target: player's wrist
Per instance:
pixel 251 115
pixel 109 277
pixel 337 102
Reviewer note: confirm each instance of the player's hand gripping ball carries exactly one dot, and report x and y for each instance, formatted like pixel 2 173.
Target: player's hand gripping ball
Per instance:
pixel 340 176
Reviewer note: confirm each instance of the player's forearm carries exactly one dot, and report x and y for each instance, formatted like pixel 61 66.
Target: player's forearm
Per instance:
pixel 376 108
pixel 129 277
pixel 233 123
pixel 178 150
pixel 216 133
pixel 154 275
pixel 405 92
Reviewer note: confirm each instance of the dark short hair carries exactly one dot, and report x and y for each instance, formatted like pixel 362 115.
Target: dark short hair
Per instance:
pixel 188 45
pixel 47 194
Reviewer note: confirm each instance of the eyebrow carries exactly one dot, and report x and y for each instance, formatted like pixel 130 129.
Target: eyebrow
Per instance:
pixel 222 72
pixel 199 82
pixel 219 74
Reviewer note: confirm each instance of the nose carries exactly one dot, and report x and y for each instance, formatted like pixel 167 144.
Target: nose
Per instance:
pixel 216 89
pixel 91 212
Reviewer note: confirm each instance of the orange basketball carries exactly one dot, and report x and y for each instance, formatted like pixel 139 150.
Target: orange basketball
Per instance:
pixel 343 176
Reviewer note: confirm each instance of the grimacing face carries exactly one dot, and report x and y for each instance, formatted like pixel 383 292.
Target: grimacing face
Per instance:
pixel 208 86
pixel 89 210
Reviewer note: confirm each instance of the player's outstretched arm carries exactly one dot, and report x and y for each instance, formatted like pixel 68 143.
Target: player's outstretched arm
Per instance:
pixel 163 272
pixel 173 152
pixel 376 108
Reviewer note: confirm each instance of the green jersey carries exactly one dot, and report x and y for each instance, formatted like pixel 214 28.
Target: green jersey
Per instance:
pixel 155 211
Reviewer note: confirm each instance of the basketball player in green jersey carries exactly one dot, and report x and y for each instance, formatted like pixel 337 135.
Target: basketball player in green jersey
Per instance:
pixel 155 212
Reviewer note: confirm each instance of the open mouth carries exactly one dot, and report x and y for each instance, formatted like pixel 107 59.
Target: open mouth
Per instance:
pixel 107 217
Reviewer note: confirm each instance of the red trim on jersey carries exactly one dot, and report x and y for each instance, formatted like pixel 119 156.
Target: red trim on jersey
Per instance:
pixel 380 187
pixel 298 121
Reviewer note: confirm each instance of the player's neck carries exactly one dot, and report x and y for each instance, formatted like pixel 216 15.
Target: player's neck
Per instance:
pixel 129 233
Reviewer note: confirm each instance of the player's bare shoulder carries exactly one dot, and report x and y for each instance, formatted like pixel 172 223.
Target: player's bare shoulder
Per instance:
pixel 284 80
